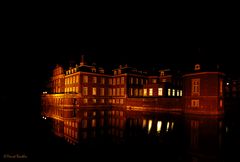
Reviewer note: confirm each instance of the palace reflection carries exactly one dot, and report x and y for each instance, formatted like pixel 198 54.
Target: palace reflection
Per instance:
pixel 188 138
pixel 204 138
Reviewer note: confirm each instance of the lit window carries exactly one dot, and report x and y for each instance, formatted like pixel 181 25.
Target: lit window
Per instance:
pixel 144 92
pixel 85 79
pixel 136 92
pixel 221 87
pixel 131 92
pixel 196 87
pixel 94 80
pixel 195 103
pixel 118 91
pixel 102 101
pixel 101 91
pixel 93 122
pixel 221 103
pixel 118 81
pixel 73 89
pixel 131 81
pixel 180 92
pixel 94 91
pixel 122 80
pixel 70 80
pixel 113 101
pixel 160 91
pixel 169 92
pixel 73 79
pixel 70 89
pixel 114 81
pixel 85 100
pixel 154 81
pixel 177 92
pixel 136 80
pixel 110 81
pixel 110 91
pixel 173 92
pixel 102 80
pixel 76 89
pixel 122 91
pixel 140 92
pixel 85 90
pixel 77 79
pixel 164 80
pixel 114 92
pixel 150 92
pixel 121 101
pixel 94 100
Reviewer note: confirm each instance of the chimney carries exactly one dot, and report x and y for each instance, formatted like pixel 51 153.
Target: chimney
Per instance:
pixel 82 60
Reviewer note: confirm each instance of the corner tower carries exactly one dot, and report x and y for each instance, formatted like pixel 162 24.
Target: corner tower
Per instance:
pixel 203 91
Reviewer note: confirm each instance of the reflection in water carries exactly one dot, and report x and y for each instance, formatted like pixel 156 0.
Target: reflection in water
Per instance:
pixel 159 126
pixel 189 138
pixel 204 138
pixel 149 125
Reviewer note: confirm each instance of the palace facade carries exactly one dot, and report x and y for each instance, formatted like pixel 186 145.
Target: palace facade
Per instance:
pixel 83 86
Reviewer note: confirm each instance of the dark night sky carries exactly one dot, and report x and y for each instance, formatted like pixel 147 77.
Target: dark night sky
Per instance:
pixel 34 43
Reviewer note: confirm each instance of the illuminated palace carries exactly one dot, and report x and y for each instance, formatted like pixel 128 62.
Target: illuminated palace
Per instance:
pixel 90 87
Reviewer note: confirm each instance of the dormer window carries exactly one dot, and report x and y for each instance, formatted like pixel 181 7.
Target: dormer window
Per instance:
pixel 94 70
pixel 197 67
pixel 119 71
pixel 101 71
pixel 162 73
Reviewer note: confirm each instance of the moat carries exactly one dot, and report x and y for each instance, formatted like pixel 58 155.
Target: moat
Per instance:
pixel 154 135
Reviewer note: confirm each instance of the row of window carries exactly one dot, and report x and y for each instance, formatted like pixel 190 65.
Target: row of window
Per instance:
pixel 70 71
pixel 120 91
pixel 56 82
pixel 149 92
pixel 71 123
pixel 195 103
pixel 112 81
pixel 72 89
pixel 70 132
pixel 102 101
pixel 72 79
